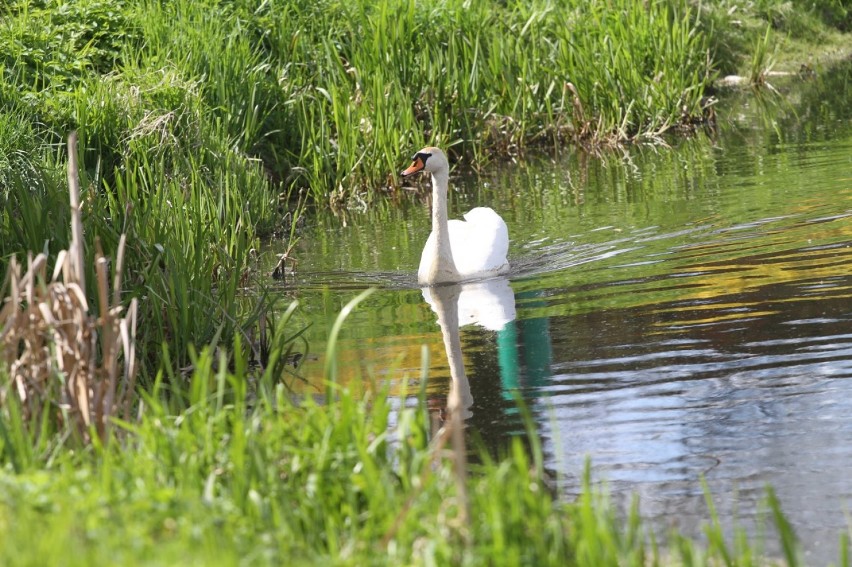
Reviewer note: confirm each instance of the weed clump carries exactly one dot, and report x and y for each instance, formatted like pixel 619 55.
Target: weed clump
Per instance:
pixel 63 356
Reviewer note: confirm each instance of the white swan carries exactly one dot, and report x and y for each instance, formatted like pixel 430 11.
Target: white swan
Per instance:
pixel 458 250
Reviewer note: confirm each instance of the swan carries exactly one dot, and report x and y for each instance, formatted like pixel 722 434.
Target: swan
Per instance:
pixel 457 250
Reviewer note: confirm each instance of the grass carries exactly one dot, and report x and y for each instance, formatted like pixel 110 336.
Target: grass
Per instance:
pixel 189 243
pixel 328 96
pixel 234 471
pixel 482 79
pixel 164 158
pixel 799 34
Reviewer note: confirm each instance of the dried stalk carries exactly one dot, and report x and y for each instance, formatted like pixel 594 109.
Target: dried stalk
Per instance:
pixel 62 359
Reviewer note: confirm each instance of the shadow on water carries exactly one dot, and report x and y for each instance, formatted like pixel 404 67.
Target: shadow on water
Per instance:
pixel 676 314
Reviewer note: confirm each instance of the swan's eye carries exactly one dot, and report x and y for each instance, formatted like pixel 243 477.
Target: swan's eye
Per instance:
pixel 423 157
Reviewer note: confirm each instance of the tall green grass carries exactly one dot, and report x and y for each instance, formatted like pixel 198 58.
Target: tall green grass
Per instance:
pixel 483 78
pixel 164 158
pixel 190 239
pixel 329 95
pixel 234 470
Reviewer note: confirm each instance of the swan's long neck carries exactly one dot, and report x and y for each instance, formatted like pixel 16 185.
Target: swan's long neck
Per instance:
pixel 445 267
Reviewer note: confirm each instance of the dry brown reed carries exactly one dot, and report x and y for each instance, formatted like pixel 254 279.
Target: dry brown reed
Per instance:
pixel 67 364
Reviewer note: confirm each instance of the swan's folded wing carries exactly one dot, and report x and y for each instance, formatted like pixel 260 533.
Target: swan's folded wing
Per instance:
pixel 480 242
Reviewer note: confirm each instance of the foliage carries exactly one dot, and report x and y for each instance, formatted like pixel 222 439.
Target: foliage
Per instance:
pixel 479 78
pixel 329 94
pixel 63 357
pixel 233 471
pixel 735 29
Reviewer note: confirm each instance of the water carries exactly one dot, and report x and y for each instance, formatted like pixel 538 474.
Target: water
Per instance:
pixel 678 313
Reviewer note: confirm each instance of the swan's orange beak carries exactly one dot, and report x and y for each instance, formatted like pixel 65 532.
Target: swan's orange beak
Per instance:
pixel 416 166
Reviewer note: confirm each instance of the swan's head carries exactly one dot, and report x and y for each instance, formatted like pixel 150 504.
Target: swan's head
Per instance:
pixel 428 159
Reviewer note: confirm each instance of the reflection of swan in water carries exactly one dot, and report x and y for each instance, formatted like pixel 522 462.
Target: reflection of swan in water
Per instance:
pixel 445 302
pixel 489 303
pixel 523 347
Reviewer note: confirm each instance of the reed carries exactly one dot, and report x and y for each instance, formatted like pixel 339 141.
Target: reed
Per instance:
pixel 762 59
pixel 155 168
pixel 63 354
pixel 328 95
pixel 484 79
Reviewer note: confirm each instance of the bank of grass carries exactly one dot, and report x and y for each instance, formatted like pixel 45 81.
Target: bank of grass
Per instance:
pixel 190 240
pixel 158 162
pixel 233 471
pixel 793 35
pixel 331 95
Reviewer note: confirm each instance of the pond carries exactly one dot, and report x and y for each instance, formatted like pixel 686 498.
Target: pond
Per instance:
pixel 672 314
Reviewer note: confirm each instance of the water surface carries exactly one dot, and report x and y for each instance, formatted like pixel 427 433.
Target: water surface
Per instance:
pixel 678 313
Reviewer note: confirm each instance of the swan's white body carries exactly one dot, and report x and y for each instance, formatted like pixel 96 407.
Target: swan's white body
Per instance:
pixel 478 246
pixel 457 250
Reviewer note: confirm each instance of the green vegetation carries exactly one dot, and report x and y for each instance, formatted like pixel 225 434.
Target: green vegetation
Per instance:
pixel 234 472
pixel 207 125
pixel 798 32
pixel 329 95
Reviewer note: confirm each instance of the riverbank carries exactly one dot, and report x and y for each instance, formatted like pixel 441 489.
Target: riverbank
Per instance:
pixel 325 100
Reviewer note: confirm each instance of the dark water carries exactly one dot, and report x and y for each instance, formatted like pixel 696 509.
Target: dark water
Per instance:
pixel 679 313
